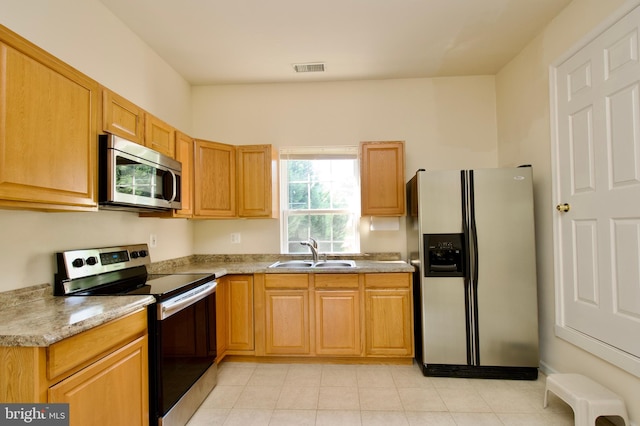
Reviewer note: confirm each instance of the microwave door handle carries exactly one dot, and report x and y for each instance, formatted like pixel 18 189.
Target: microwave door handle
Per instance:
pixel 174 187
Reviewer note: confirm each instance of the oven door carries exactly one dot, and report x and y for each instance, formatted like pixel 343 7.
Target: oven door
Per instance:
pixel 137 177
pixel 185 347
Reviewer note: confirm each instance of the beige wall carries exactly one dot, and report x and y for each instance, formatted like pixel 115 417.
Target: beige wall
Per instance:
pixel 522 89
pixel 87 36
pixel 446 123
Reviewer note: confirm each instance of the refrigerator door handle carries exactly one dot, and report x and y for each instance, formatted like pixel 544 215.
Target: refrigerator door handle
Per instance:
pixel 474 260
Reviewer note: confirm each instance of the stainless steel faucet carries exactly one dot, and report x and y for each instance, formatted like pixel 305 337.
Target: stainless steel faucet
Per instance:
pixel 313 246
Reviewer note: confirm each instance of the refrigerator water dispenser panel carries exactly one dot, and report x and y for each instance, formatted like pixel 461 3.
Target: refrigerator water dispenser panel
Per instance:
pixel 445 255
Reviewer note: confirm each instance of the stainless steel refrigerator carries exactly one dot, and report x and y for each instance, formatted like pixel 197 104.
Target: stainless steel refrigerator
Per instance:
pixel 470 235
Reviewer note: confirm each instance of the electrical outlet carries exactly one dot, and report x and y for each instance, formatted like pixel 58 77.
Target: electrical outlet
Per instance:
pixel 153 240
pixel 235 238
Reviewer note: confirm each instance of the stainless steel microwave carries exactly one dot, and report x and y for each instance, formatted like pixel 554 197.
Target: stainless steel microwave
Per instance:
pixel 135 178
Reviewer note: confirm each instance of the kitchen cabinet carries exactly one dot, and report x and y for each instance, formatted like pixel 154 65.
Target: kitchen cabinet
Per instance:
pixel 122 117
pixel 48 130
pixel 102 373
pixel 235 181
pixel 382 183
pixel 388 314
pixel 238 300
pixel 286 314
pixel 159 135
pixel 334 315
pixel 337 314
pixel 127 120
pixel 257 181
pixel 214 180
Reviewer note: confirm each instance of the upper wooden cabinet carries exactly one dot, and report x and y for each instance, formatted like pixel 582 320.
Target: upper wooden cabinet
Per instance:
pixel 48 130
pixel 257 181
pixel 127 120
pixel 121 117
pixel 235 181
pixel 382 178
pixel 159 135
pixel 214 179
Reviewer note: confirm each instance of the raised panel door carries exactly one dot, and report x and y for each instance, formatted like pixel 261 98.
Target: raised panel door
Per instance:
pixel 382 183
pixel 287 322
pixel 240 332
pixel 597 184
pixel 185 154
pixel 337 322
pixel 388 323
pixel 122 117
pixel 159 136
pixel 214 179
pixel 48 119
pixel 257 181
pixel 113 390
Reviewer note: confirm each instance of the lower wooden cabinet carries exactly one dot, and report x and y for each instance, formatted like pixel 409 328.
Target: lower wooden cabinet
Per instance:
pixel 286 317
pixel 103 373
pixel 388 315
pixel 337 322
pixel 334 315
pixel 240 335
pixel 110 390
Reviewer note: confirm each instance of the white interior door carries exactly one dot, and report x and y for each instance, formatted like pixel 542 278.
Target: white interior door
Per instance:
pixel 597 175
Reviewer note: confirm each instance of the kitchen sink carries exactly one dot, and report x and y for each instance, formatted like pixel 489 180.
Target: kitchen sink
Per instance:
pixel 307 264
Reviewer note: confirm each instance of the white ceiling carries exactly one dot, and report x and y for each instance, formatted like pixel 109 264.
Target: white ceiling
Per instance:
pixel 257 41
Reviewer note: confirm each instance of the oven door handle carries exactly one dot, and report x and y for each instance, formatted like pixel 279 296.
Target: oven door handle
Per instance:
pixel 178 303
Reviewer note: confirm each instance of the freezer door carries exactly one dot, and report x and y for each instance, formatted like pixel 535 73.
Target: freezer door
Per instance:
pixel 444 329
pixel 506 288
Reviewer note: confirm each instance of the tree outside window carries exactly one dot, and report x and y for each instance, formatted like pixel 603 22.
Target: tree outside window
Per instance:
pixel 320 199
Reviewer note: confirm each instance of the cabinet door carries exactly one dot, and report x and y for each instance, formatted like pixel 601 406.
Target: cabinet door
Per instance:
pixel 121 117
pixel 214 179
pixel 287 322
pixel 257 181
pixel 159 135
pixel 388 324
pixel 48 130
pixel 113 390
pixel 184 154
pixel 240 312
pixel 337 322
pixel 382 178
pixel 222 315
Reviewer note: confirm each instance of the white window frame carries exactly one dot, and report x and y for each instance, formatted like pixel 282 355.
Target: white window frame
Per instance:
pixel 311 152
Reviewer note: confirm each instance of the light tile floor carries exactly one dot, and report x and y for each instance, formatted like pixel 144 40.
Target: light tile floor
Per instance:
pixel 389 395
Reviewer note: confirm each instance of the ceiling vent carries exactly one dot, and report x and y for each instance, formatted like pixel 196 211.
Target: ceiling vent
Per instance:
pixel 311 67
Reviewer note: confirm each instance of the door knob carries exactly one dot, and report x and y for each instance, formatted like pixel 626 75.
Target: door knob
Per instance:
pixel 563 208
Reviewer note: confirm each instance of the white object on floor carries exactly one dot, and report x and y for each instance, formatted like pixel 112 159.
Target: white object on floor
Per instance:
pixel 588 399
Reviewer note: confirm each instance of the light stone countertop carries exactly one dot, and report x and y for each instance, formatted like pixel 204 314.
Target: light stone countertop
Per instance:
pixel 34 317
pixel 258 264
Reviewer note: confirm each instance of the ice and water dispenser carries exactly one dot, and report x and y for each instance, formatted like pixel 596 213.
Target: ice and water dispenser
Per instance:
pixel 444 255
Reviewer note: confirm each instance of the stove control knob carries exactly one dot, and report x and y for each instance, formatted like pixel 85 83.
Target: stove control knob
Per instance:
pixel 134 254
pixel 143 253
pixel 78 263
pixel 91 260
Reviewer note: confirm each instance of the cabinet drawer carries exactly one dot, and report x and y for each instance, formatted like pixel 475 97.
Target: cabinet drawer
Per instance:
pixel 390 280
pixel 336 280
pixel 286 281
pixel 83 348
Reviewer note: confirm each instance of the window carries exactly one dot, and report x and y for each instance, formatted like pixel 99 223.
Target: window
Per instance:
pixel 320 198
